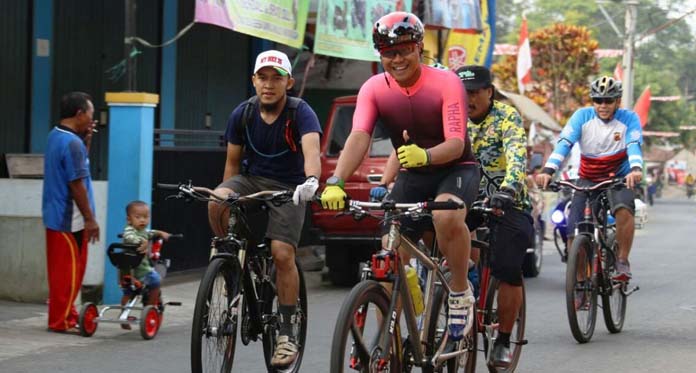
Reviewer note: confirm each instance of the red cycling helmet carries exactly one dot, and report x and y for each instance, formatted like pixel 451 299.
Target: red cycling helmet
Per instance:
pixel 396 28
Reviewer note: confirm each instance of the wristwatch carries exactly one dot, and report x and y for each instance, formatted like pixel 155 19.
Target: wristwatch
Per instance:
pixel 335 180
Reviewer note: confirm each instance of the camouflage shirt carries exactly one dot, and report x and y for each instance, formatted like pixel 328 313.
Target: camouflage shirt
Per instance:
pixel 500 145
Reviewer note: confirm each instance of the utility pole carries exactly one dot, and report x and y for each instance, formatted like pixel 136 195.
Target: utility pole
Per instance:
pixel 629 41
pixel 131 67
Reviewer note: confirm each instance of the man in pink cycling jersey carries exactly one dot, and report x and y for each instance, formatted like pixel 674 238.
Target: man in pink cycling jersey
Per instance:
pixel 424 110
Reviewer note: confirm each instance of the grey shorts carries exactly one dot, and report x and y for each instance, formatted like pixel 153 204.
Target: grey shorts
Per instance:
pixel 618 199
pixel 284 221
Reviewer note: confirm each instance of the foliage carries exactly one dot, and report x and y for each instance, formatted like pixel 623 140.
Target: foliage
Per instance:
pixel 665 58
pixel 563 59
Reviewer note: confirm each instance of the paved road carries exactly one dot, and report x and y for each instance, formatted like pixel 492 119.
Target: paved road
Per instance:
pixel 659 334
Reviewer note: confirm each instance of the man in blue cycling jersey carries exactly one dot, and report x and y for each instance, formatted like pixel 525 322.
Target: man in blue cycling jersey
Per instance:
pixel 610 141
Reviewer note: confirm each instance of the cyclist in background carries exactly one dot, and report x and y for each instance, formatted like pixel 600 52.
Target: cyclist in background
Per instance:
pixel 610 141
pixel 424 111
pixel 281 136
pixel 500 145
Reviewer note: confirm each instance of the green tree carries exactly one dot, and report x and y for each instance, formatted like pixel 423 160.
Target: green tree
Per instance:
pixel 665 57
pixel 563 57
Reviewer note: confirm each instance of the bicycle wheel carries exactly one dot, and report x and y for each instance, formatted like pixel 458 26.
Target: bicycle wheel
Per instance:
pixel 613 294
pixel 581 289
pixel 270 312
pixel 438 327
pixel 215 316
pixel 491 323
pixel 358 327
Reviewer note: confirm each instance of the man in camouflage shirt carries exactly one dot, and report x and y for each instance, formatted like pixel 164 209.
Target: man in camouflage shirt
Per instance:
pixel 499 143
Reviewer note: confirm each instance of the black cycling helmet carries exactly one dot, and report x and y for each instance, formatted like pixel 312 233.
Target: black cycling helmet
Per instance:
pixel 606 87
pixel 396 28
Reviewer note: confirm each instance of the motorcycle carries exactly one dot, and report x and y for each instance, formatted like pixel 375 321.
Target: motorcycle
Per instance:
pixel 559 218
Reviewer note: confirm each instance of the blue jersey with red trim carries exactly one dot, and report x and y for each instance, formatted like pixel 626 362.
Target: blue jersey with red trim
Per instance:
pixel 606 148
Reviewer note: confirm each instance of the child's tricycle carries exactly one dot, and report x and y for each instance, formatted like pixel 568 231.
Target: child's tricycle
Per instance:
pixel 125 257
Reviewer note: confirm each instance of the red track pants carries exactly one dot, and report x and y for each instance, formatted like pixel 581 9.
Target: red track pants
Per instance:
pixel 66 262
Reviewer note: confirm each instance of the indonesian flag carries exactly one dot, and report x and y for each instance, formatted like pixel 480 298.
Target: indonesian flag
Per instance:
pixel 642 107
pixel 618 72
pixel 524 58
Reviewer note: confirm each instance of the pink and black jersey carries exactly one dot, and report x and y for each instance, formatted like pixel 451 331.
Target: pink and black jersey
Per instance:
pixel 433 110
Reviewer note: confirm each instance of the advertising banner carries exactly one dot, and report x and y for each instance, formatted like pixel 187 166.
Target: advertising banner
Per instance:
pixel 453 14
pixel 466 48
pixel 344 27
pixel 282 21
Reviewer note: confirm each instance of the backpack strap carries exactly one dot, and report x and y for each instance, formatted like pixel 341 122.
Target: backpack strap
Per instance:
pixel 247 117
pixel 292 133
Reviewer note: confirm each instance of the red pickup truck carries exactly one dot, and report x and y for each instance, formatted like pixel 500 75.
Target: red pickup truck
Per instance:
pixel 347 241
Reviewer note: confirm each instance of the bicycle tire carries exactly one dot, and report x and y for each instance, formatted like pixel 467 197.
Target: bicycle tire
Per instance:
pixel 225 321
pixel 368 293
pixel 491 318
pixel 613 298
pixel 435 333
pixel 270 333
pixel 582 331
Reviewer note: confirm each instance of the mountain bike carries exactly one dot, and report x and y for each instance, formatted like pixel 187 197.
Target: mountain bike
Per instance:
pixel 591 260
pixel 238 288
pixel 367 336
pixel 487 302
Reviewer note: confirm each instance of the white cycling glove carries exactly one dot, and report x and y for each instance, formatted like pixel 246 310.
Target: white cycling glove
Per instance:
pixel 305 191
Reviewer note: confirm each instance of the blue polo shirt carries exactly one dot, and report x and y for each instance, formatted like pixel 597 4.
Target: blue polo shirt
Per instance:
pixel 266 152
pixel 65 160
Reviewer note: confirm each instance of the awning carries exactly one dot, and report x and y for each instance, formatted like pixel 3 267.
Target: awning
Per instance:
pixel 531 111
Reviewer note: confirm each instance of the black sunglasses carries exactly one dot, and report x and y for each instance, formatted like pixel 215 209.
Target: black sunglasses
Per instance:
pixel 606 100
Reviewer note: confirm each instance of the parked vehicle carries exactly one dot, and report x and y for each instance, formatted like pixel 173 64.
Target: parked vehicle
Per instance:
pixel 531 267
pixel 348 241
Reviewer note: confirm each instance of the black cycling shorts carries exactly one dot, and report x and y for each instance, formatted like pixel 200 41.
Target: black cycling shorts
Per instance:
pixel 619 198
pixel 411 187
pixel 510 236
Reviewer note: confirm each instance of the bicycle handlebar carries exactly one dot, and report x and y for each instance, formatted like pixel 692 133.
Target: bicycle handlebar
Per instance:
pixel 423 206
pixel 606 184
pixel 206 194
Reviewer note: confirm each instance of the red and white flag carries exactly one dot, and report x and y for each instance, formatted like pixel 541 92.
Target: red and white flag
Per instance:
pixel 618 72
pixel 524 58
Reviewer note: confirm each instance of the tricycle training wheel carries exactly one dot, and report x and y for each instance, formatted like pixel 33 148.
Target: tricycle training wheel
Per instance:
pixel 149 322
pixel 88 319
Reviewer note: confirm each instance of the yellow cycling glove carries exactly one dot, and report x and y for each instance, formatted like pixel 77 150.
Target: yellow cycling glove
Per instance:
pixel 333 198
pixel 413 156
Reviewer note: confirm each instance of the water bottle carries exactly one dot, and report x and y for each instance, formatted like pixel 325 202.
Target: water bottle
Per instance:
pixel 414 288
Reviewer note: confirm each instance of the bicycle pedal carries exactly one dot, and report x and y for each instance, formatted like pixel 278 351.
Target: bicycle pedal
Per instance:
pixel 521 342
pixel 173 303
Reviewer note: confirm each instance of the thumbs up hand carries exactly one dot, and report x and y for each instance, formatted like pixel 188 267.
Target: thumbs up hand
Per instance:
pixel 412 155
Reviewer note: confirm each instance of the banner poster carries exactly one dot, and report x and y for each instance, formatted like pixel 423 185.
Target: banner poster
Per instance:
pixel 344 27
pixel 453 14
pixel 466 48
pixel 282 21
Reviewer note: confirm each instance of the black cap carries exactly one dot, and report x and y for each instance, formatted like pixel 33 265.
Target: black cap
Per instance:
pixel 474 77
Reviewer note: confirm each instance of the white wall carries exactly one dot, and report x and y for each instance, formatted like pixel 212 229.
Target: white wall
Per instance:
pixel 20 203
